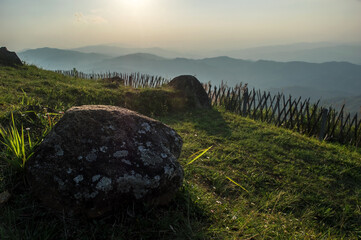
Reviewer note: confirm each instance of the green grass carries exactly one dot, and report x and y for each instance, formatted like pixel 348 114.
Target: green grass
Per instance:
pixel 58 92
pixel 256 182
pixel 17 150
pixel 297 187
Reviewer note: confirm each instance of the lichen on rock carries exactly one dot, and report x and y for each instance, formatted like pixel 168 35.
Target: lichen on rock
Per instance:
pixel 101 158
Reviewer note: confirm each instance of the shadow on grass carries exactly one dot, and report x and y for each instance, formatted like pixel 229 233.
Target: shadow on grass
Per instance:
pixel 183 218
pixel 209 120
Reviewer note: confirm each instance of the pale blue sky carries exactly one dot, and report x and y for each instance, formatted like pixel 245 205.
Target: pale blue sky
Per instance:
pixel 177 24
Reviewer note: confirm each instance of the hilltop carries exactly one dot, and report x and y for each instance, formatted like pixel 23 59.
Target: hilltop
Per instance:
pixel 257 181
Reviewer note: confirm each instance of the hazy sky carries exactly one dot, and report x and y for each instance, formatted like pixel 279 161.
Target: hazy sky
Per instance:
pixel 177 24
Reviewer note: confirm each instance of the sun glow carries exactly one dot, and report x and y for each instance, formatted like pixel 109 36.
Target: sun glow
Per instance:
pixel 132 6
pixel 134 3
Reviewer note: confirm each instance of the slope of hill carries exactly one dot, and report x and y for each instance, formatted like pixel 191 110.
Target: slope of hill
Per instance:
pixel 257 181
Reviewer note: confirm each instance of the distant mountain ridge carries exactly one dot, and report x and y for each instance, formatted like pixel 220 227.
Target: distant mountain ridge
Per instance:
pixel 53 58
pixel 315 53
pixel 318 52
pixel 114 51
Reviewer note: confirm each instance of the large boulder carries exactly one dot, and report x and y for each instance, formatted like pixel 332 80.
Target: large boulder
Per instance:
pixel 100 158
pixel 191 90
pixel 9 58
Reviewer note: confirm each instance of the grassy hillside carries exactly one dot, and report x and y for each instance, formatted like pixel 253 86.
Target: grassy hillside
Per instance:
pixel 256 182
pixel 46 88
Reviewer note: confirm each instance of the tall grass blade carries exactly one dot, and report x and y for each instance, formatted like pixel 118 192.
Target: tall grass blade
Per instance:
pixel 201 154
pixel 236 184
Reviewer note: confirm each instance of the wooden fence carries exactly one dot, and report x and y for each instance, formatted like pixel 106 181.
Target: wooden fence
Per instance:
pixel 292 113
pixel 135 80
pixel 284 111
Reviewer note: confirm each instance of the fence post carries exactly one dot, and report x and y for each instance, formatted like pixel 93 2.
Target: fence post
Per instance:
pixel 245 101
pixel 323 124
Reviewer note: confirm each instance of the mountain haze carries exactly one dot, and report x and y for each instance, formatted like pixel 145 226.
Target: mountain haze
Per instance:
pixel 352 103
pixel 305 52
pixel 308 52
pixel 53 58
pixel 115 51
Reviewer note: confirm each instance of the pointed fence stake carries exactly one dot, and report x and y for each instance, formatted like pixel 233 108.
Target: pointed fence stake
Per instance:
pixel 323 124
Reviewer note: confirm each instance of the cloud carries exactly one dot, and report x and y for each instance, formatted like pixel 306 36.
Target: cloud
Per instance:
pixel 79 17
pixel 86 19
pixel 97 19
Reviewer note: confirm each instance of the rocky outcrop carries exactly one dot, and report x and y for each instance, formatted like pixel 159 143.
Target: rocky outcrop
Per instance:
pixel 9 58
pixel 191 90
pixel 100 158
